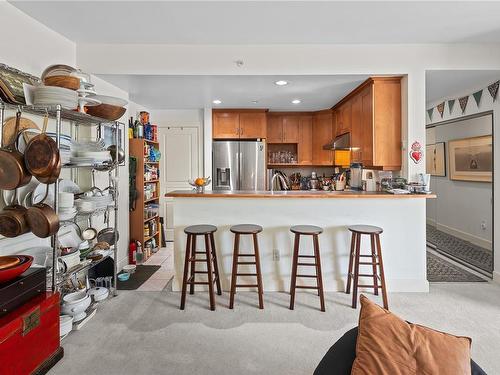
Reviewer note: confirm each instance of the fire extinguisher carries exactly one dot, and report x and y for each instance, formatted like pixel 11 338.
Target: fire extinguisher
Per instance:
pixel 132 250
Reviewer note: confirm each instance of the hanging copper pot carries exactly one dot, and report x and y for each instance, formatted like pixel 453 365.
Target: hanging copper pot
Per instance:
pixel 42 218
pixel 13 172
pixel 13 220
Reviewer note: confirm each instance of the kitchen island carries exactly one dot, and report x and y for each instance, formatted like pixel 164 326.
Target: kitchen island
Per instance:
pixel 401 216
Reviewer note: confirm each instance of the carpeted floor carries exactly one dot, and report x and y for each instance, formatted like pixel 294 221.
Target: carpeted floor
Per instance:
pixel 146 333
pixel 440 270
pixel 464 250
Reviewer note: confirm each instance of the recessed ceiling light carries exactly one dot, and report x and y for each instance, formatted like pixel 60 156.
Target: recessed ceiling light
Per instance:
pixel 255 101
pixel 217 101
pixel 296 101
pixel 281 83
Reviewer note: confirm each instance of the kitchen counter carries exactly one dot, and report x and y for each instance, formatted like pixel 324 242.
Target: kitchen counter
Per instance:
pixel 401 216
pixel 291 194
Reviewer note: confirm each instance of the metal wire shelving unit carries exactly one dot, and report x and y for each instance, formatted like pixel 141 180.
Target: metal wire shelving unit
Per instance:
pixel 75 119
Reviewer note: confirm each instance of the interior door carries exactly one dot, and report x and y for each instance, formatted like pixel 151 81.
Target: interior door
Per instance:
pixel 180 161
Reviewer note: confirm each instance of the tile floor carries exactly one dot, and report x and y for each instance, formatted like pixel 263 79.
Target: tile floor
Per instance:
pixel 159 280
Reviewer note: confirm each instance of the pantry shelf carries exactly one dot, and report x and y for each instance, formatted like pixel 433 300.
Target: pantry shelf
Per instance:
pixel 151 218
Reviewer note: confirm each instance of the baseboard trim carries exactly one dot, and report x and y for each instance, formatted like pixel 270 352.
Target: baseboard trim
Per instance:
pixel 481 242
pixel 496 277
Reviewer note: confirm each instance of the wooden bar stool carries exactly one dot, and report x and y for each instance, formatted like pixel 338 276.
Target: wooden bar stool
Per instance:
pixel 191 259
pixel 239 230
pixel 376 260
pixel 314 231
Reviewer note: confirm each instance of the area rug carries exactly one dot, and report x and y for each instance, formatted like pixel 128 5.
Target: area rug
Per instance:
pixel 440 270
pixel 464 250
pixel 139 277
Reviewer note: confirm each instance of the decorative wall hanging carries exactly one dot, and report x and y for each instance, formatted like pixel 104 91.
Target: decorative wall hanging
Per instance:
pixel 471 159
pixel 429 112
pixel 435 161
pixel 493 89
pixel 477 96
pixel 463 103
pixel 416 152
pixel 440 108
pixel 451 104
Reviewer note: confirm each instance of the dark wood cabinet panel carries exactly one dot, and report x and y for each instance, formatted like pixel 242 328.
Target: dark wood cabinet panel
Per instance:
pixel 225 125
pixel 253 125
pixel 305 151
pixel 321 135
pixel 274 129
pixel 290 129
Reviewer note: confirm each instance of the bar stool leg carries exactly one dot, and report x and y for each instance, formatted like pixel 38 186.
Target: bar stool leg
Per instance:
pixel 294 270
pixel 210 273
pixel 382 275
pixel 185 275
pixel 235 269
pixel 216 267
pixel 374 264
pixel 193 263
pixel 356 272
pixel 259 274
pixel 351 259
pixel 319 277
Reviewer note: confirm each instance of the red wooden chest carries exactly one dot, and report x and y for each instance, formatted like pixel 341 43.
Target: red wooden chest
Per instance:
pixel 29 335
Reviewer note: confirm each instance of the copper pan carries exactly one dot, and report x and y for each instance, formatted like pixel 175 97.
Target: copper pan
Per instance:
pixel 13 221
pixel 42 218
pixel 41 155
pixel 13 172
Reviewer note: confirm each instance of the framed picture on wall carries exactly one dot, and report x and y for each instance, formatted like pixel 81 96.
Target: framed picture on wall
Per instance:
pixel 471 159
pixel 436 159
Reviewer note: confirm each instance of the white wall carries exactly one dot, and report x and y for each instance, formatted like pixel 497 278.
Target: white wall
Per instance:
pixel 461 206
pixel 31 47
pixel 486 104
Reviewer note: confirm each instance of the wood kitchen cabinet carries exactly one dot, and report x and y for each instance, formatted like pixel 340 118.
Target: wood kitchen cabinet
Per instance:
pixel 305 151
pixel 239 124
pixel 372 115
pixel 321 135
pixel 283 128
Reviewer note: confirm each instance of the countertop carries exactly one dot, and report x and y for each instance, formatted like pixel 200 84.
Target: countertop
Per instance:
pixel 291 194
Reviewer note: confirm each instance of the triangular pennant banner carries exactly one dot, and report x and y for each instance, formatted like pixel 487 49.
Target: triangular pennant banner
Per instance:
pixel 493 89
pixel 463 102
pixel 440 108
pixel 477 96
pixel 430 112
pixel 451 104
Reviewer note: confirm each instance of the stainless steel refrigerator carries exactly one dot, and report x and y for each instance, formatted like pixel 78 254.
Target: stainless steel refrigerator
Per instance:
pixel 239 165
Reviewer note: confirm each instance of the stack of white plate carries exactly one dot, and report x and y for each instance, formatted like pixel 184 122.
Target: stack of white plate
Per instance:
pixel 91 157
pixel 99 202
pixel 51 95
pixel 85 206
pixel 65 148
pixel 67 213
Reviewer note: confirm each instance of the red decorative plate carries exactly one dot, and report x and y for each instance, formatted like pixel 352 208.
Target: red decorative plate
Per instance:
pixel 7 274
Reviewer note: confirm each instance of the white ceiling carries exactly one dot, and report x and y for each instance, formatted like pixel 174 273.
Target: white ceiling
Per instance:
pixel 446 83
pixel 266 22
pixel 188 92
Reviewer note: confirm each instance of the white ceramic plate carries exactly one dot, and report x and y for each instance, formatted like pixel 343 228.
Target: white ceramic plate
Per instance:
pixel 69 186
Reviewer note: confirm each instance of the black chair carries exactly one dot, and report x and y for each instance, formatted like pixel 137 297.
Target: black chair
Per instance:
pixel 340 357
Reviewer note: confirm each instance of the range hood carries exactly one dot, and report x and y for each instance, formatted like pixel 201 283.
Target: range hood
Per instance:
pixel 342 142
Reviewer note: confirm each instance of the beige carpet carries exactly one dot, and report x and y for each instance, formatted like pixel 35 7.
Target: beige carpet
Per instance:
pixel 145 332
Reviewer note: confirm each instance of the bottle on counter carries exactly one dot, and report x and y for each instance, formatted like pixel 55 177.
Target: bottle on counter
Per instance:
pixel 139 255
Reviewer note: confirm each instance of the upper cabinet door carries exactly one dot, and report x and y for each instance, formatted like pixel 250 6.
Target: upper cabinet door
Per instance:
pixel 274 129
pixel 225 125
pixel 322 134
pixel 291 129
pixel 356 129
pixel 345 118
pixel 305 152
pixel 253 125
pixel 367 125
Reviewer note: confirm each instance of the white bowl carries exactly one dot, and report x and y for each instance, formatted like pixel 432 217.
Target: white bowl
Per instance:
pixel 99 293
pixel 129 268
pixel 75 305
pixel 65 325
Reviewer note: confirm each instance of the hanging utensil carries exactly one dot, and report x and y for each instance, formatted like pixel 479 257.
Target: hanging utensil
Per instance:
pixel 13 172
pixel 42 218
pixel 13 220
pixel 89 233
pixel 42 155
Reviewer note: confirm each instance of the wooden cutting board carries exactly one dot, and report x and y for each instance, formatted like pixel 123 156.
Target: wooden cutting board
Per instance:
pixel 9 128
pixel 8 261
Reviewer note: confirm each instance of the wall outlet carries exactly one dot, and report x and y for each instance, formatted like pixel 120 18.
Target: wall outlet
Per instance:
pixel 276 255
pixel 484 225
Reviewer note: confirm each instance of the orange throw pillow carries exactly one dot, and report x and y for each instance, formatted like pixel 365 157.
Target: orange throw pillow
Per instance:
pixel 389 345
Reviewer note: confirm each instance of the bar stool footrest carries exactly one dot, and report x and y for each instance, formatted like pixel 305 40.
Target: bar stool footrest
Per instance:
pixel 246 263
pixel 306 287
pixel 306 264
pixel 311 276
pixel 246 274
pixel 246 285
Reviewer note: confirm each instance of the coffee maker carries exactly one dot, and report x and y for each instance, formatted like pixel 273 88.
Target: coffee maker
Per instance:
pixel 356 180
